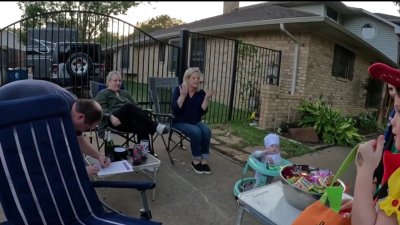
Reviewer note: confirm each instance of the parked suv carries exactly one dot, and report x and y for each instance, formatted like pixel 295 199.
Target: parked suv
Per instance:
pixel 38 54
pixel 77 62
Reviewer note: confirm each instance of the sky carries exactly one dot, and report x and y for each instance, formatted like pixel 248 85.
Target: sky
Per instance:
pixel 186 11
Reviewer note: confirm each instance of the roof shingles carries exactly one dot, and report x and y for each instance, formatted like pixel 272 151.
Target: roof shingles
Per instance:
pixel 259 12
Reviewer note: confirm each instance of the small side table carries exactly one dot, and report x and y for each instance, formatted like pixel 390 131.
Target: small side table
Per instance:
pixel 149 166
pixel 267 204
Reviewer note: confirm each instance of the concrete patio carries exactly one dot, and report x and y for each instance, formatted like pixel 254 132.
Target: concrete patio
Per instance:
pixel 184 197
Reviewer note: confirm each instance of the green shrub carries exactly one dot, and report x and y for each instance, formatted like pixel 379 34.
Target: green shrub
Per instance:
pixel 330 126
pixel 342 132
pixel 367 121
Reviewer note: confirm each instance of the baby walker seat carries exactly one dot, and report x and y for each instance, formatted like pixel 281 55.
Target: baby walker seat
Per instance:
pixel 268 174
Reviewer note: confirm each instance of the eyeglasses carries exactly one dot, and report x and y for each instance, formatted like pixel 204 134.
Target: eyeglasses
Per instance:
pixel 90 126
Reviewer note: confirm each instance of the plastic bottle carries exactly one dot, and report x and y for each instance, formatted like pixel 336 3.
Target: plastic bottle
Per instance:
pixel 145 149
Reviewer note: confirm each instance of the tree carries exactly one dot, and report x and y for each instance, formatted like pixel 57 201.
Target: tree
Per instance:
pixel 159 22
pixel 88 26
pixel 32 8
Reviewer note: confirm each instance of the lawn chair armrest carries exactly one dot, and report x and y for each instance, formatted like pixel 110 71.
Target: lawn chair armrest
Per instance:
pixel 163 117
pixel 148 110
pixel 140 186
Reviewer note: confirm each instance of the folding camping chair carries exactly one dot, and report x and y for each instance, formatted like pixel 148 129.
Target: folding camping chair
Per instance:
pixel 42 171
pixel 128 137
pixel 160 96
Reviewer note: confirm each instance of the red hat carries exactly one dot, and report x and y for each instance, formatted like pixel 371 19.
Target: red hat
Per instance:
pixel 385 73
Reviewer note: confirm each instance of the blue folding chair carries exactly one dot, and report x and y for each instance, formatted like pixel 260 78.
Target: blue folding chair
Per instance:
pixel 160 96
pixel 42 171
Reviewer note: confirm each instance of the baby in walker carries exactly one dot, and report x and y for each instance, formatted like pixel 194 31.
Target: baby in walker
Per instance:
pixel 271 155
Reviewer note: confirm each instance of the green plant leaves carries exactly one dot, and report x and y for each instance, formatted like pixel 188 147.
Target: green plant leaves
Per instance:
pixel 330 126
pixel 367 121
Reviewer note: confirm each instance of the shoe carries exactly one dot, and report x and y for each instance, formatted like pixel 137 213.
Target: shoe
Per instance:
pixel 198 168
pixel 162 129
pixel 165 130
pixel 206 168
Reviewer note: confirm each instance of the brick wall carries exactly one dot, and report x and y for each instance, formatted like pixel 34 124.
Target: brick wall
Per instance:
pixel 314 78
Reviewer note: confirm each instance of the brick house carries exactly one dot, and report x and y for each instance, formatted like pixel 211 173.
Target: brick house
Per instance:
pixel 326 50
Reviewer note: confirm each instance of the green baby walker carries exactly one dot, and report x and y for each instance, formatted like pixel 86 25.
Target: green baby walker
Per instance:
pixel 268 173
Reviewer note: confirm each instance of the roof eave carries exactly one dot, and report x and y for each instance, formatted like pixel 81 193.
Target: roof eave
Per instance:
pixel 313 19
pixel 227 27
pixel 364 43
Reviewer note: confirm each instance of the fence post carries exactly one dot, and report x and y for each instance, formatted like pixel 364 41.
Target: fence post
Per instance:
pixel 233 84
pixel 183 51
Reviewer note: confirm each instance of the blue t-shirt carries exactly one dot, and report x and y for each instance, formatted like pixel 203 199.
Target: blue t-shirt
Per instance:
pixel 191 111
pixel 29 88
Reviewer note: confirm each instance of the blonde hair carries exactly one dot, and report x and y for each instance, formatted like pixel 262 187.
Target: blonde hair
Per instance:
pixel 189 71
pixel 110 74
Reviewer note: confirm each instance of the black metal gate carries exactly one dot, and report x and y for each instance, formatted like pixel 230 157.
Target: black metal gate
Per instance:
pixel 71 48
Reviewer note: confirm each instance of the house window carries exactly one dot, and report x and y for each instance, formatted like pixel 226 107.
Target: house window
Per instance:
pixel 368 31
pixel 343 63
pixel 125 57
pixel 331 13
pixel 374 89
pixel 173 55
pixel 161 53
pixel 197 53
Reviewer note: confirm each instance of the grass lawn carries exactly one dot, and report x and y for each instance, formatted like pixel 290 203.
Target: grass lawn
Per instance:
pixel 218 112
pixel 253 136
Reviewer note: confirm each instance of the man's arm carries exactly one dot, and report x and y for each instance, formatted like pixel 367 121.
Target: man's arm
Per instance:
pixel 87 149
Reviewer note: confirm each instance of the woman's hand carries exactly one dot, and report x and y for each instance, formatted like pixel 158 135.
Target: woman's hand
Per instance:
pixel 115 121
pixel 183 90
pixel 209 94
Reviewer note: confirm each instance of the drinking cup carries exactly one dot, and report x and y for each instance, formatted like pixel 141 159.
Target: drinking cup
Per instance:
pixel 120 153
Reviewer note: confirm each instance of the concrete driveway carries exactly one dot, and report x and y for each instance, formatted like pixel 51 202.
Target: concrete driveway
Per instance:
pixel 184 197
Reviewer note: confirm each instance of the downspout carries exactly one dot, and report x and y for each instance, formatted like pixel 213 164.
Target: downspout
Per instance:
pixel 296 57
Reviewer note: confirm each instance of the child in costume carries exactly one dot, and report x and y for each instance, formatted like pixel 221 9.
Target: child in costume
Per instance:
pixel 387 209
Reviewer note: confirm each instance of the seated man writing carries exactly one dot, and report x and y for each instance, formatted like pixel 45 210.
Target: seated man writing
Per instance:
pixel 85 113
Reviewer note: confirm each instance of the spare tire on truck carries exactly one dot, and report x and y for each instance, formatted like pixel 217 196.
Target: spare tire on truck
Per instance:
pixel 78 64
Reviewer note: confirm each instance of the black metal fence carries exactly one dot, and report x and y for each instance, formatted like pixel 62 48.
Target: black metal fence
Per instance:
pixel 234 69
pixel 71 48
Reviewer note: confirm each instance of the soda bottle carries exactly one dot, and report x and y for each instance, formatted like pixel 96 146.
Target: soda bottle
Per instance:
pixel 136 156
pixel 144 149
